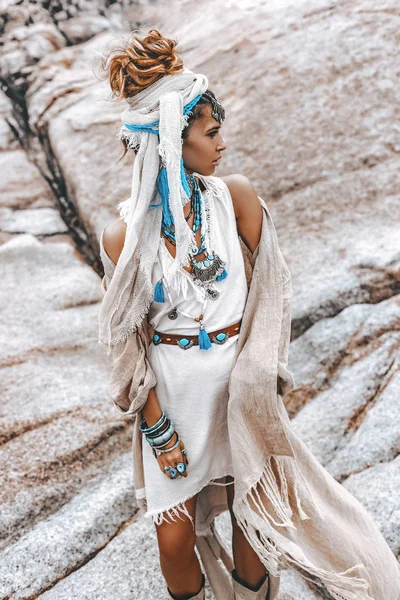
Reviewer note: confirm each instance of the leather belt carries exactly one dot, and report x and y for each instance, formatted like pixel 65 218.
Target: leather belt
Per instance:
pixel 219 336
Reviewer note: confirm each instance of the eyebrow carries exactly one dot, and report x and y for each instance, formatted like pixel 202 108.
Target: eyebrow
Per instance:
pixel 214 127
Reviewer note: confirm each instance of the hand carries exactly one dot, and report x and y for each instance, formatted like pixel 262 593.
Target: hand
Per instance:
pixel 171 458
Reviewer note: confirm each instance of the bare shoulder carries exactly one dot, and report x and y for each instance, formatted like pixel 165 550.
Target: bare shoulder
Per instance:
pixel 242 192
pixel 247 207
pixel 114 238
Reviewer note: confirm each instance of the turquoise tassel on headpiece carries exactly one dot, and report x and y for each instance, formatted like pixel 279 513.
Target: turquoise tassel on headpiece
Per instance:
pixel 184 182
pixel 163 190
pixel 159 292
pixel 162 178
pixel 204 340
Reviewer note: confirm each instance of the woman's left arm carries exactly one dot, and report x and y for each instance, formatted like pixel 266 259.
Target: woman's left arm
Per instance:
pixel 247 207
pixel 249 217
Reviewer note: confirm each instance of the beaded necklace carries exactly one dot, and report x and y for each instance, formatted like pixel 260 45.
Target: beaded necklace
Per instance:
pixel 204 272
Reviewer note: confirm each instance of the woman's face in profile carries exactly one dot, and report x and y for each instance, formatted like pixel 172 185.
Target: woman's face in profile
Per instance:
pixel 204 144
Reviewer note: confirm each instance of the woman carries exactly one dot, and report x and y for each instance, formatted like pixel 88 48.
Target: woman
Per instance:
pixel 174 257
pixel 182 375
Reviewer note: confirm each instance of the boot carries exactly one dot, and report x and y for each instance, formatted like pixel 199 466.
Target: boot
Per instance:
pixel 198 596
pixel 242 592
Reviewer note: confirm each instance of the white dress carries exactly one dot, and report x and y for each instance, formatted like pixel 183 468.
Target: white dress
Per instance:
pixel 192 384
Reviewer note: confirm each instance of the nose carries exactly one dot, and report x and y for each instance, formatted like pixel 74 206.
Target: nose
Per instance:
pixel 222 146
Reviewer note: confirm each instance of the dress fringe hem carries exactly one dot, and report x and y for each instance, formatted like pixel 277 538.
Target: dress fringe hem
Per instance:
pixel 162 515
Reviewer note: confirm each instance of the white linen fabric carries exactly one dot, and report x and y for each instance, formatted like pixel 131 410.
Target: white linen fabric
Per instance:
pixel 192 385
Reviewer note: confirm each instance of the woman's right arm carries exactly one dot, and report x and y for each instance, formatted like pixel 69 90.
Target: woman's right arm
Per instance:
pixel 113 242
pixel 114 238
pixel 151 411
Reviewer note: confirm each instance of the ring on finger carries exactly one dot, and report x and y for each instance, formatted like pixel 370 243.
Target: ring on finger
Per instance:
pixel 173 472
pixel 180 467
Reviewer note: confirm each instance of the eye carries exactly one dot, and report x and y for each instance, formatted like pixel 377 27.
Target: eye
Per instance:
pixel 213 133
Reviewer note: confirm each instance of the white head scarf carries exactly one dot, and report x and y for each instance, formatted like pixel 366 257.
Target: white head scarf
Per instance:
pixel 130 293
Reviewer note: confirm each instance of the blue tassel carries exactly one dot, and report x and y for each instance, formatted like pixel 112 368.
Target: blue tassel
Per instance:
pixel 184 182
pixel 159 292
pixel 163 189
pixel 222 276
pixel 204 340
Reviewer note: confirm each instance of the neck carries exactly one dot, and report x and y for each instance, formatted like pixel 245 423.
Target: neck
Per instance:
pixel 200 184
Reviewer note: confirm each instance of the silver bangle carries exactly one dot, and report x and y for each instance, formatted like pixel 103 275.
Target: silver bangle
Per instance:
pixel 159 452
pixel 164 437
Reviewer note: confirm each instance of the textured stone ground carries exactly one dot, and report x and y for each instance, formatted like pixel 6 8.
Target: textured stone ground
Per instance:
pixel 311 95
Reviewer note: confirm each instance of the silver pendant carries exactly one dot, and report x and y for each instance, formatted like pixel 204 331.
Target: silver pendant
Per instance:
pixel 207 270
pixel 212 293
pixel 173 314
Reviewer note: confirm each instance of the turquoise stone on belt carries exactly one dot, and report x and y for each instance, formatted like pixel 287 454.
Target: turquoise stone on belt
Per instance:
pixel 185 343
pixel 220 338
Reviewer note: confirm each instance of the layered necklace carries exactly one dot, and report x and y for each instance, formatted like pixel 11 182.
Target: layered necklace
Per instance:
pixel 205 272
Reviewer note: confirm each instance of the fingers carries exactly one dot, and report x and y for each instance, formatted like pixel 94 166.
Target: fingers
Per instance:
pixel 170 459
pixel 184 456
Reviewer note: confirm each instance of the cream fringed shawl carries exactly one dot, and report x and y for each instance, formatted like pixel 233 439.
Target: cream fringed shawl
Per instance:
pixel 291 510
pixel 153 124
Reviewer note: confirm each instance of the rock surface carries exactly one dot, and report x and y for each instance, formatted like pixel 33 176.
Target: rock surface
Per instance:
pixel 310 91
pixel 46 221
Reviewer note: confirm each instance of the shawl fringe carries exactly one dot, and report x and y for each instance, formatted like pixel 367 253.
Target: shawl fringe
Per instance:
pixel 258 526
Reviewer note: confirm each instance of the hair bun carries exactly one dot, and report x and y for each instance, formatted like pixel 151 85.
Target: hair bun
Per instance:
pixel 142 62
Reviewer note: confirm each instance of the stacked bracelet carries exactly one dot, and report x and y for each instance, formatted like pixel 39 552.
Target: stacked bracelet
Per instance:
pixel 143 425
pixel 160 434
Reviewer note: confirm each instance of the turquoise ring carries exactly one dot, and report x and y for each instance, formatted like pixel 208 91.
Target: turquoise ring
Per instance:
pixel 181 467
pixel 173 471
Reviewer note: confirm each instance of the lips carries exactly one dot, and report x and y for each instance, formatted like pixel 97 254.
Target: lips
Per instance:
pixel 217 160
